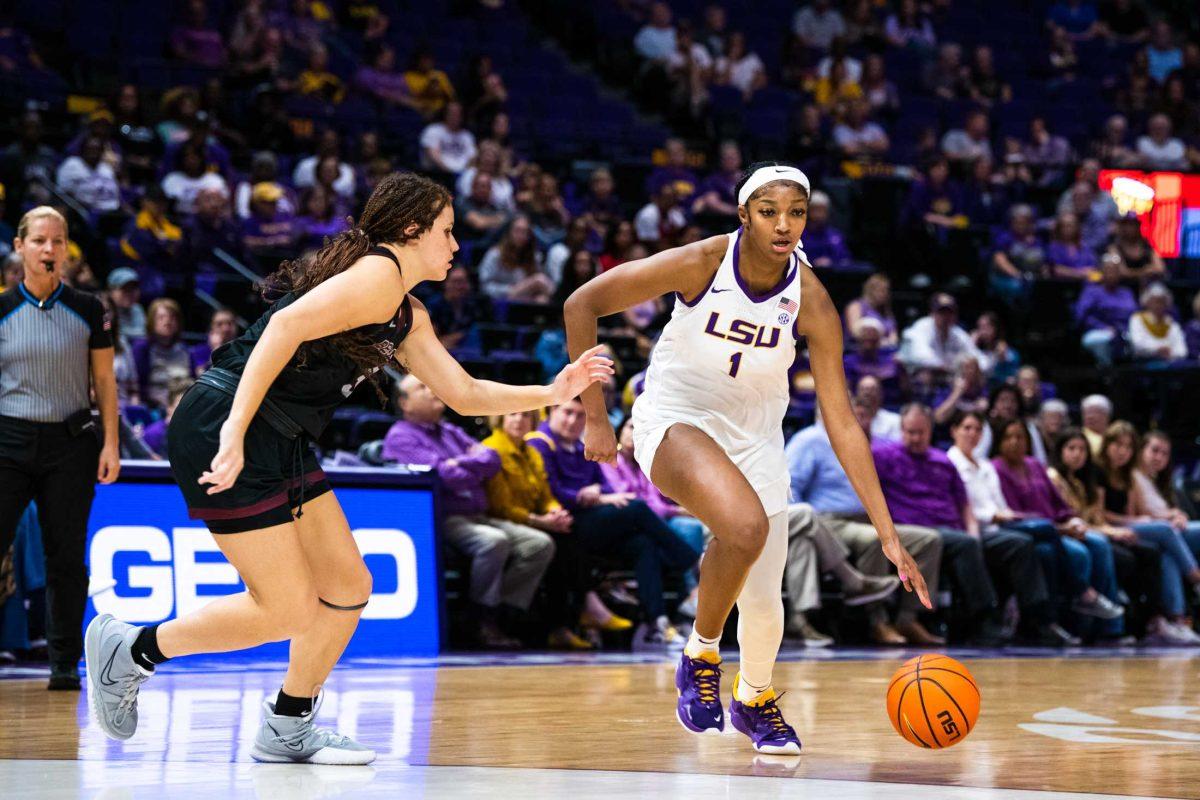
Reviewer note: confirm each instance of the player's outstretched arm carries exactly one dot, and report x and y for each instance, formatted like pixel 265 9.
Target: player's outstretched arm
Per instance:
pixel 686 270
pixel 423 355
pixel 822 326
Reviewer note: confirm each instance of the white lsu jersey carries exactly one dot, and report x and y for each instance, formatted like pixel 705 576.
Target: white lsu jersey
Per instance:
pixel 721 365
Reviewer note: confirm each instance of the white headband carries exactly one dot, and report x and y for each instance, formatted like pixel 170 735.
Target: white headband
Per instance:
pixel 764 175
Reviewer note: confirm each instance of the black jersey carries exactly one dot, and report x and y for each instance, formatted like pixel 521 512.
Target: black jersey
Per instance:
pixel 309 393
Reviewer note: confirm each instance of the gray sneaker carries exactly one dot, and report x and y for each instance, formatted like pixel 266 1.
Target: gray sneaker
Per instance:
pixel 113 677
pixel 296 740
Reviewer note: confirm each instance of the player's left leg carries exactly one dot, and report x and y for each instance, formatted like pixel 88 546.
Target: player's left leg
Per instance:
pixel 754 711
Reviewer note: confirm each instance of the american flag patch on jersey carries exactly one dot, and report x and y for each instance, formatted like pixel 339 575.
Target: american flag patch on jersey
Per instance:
pixel 789 305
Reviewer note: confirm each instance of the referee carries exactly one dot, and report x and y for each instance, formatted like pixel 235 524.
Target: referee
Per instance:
pixel 52 340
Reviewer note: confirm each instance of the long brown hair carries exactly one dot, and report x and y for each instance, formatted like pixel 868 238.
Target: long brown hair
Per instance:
pixel 1085 477
pixel 1120 478
pixel 400 200
pixel 1161 481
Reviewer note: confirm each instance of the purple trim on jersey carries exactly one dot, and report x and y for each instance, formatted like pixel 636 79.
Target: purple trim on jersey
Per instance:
pixel 789 274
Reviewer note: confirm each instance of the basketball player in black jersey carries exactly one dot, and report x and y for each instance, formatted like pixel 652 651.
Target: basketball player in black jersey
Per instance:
pixel 239 449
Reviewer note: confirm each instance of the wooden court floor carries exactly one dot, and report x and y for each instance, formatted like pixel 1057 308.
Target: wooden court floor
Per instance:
pixel 1121 727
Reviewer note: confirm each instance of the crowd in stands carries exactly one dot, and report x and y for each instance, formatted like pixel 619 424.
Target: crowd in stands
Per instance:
pixel 1050 532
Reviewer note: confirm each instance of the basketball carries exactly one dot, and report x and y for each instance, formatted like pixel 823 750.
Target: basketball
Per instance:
pixel 933 701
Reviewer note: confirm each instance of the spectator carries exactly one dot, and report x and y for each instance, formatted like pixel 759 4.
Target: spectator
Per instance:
pixel 1156 493
pixel 1179 108
pixel 124 370
pixel 612 524
pixel 155 434
pixel 262 63
pixel 656 40
pixel 875 301
pixel 222 328
pixel 983 84
pixel 1138 260
pixel 31 161
pixel 626 476
pixel 1136 93
pixel 1103 311
pixel 739 67
pixel 479 219
pixel 316 81
pixel 195 41
pixel 882 424
pixel 858 137
pixel 446 146
pixel 189 178
pixel 997 359
pixel 267 231
pixel 835 91
pixel 210 230
pixel 716 196
pixel 1153 332
pixel 560 253
pixel 264 168
pixel 1096 210
pixel 1163 54
pixel 125 288
pixel 944 77
pixel 934 207
pixel 871 359
pixel 689 71
pixel 1077 18
pixel 488 162
pixel 922 487
pixel 547 212
pixel 429 87
pixel 817 478
pixel 161 358
pixel 1048 154
pixel 674 174
pixel 964 145
pixel 863 27
pixel 824 244
pixel 458 310
pixel 328 147
pixel 1124 21
pixel 1124 506
pixel 1066 255
pixel 659 221
pixel 1112 149
pixel 880 93
pixel 1052 419
pixel 492 102
pixel 967 395
pixel 818 24
pixel 808 140
pixel 621 237
pixel 150 239
pixel 329 175
pixel 520 493
pixel 90 180
pixel 601 207
pixel 1158 149
pixel 321 219
pixel 99 125
pixel 512 269
pixel 1137 564
pixel 715 35
pixel 908 28
pixel 934 343
pixel 1191 331
pixel 507 558
pixel 379 79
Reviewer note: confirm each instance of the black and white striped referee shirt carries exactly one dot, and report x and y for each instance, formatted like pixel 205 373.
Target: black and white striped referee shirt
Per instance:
pixel 45 352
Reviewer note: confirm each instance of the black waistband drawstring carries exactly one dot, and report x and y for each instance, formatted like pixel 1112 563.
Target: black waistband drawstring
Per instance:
pixel 298 476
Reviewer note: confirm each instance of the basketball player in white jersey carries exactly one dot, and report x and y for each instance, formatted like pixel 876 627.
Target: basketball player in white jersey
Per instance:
pixel 708 429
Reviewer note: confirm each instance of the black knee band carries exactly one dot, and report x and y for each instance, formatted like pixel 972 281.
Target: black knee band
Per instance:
pixel 325 602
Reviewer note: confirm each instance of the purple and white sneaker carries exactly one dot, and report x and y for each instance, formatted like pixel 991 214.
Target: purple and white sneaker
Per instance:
pixel 763 722
pixel 698 682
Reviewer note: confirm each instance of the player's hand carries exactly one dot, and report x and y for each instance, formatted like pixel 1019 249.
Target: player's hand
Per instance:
pixel 600 441
pixel 589 368
pixel 227 463
pixel 910 575
pixel 110 464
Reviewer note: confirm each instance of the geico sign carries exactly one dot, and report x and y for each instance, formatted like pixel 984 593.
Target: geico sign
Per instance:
pixel 175 573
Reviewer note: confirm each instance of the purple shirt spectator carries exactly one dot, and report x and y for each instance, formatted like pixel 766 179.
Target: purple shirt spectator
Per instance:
pixel 313 231
pixel 197 45
pixel 1032 493
pixel 201 356
pixel 723 183
pixel 681 179
pixel 920 490
pixel 826 242
pixel 1066 255
pixel 627 476
pixel 1099 308
pixel 462 464
pixel 566 468
pixel 1027 253
pixel 1191 332
pixel 882 365
pixel 155 437
pixel 264 234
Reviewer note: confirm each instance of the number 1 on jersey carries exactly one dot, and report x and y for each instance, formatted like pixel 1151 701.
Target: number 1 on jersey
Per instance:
pixel 735 361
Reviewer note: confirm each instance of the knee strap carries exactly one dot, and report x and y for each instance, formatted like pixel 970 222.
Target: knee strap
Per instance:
pixel 325 602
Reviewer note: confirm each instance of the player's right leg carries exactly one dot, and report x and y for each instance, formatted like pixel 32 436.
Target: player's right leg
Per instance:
pixel 692 469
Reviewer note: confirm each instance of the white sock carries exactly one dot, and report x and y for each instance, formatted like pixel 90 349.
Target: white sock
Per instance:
pixel 744 692
pixel 697 644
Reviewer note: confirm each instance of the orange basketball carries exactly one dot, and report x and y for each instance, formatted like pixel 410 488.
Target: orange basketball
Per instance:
pixel 933 701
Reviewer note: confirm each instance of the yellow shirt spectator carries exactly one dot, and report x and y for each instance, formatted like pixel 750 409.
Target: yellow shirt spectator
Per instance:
pixel 520 488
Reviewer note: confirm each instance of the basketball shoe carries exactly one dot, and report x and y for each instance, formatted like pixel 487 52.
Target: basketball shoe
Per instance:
pixel 114 678
pixel 698 682
pixel 762 720
pixel 283 739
